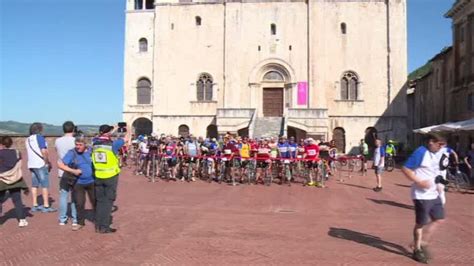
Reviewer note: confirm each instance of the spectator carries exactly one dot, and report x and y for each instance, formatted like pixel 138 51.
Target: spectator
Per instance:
pixel 379 163
pixel 11 179
pixel 63 145
pixel 78 162
pixel 39 165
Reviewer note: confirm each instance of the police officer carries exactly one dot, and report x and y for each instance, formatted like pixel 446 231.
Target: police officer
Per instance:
pixel 106 169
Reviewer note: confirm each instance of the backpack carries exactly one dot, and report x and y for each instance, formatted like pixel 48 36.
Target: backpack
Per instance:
pixel 13 175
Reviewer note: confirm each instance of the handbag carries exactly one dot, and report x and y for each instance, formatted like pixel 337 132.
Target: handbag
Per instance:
pixel 13 175
pixel 68 180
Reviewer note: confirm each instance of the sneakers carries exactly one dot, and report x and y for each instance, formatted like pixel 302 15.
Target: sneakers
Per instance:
pixel 76 227
pixel 37 208
pixel 62 223
pixel 420 256
pixel 48 209
pixel 22 223
pixel 377 189
pixel 312 183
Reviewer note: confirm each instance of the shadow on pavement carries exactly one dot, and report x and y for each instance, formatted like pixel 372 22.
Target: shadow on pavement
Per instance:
pixel 368 240
pixel 357 186
pixel 401 185
pixel 11 214
pixel 393 203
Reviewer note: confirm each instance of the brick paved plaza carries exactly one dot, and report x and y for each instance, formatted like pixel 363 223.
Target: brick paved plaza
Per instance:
pixel 199 223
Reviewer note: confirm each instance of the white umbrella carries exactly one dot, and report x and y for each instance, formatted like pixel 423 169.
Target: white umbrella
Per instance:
pixel 468 125
pixel 424 130
pixel 455 126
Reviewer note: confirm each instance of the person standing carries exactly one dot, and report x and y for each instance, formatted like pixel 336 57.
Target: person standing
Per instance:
pixel 379 163
pixel 364 151
pixel 106 170
pixel 11 179
pixel 424 168
pixel 63 145
pixel 39 165
pixel 79 163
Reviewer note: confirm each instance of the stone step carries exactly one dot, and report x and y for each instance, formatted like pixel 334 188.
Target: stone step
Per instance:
pixel 268 127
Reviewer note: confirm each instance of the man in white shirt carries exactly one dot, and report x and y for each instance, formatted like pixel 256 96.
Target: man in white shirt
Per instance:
pixel 39 165
pixel 63 145
pixel 425 167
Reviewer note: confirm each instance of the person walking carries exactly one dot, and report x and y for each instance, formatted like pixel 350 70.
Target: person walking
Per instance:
pixel 106 170
pixel 63 145
pixel 424 168
pixel 379 163
pixel 39 165
pixel 11 179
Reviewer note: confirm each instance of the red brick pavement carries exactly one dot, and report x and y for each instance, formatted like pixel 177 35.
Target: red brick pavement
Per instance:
pixel 200 223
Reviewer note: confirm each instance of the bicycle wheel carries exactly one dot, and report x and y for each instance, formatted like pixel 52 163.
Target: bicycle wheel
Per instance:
pixel 390 164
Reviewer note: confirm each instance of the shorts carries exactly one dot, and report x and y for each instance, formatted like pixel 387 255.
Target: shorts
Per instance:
pixel 379 170
pixel 40 177
pixel 244 162
pixel 428 209
pixel 262 164
pixel 191 160
pixel 312 164
pixel 172 162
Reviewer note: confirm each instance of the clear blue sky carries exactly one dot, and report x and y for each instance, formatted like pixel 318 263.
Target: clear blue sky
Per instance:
pixel 63 59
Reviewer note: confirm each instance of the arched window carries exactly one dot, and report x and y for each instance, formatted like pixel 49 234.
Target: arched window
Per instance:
pixel 183 131
pixel 273 76
pixel 198 20
pixel 143 45
pixel 204 87
pixel 343 28
pixel 349 86
pixel 144 91
pixel 150 4
pixel 273 29
pixel 138 4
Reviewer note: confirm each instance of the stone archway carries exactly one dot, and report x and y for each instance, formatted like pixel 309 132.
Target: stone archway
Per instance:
pixel 271 82
pixel 142 126
pixel 339 137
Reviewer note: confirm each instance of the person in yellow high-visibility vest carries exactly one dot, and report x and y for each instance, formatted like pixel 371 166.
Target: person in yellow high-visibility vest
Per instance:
pixel 106 170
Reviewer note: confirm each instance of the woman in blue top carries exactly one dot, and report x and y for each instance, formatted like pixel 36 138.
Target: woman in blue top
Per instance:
pixel 79 163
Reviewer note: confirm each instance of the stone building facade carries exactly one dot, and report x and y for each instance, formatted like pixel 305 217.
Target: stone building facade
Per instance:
pixel 443 90
pixel 331 69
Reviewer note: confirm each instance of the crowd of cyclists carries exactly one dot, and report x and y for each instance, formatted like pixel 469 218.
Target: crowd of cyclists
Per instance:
pixel 234 160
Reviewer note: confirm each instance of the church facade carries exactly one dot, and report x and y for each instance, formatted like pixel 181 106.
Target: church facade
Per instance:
pixel 329 69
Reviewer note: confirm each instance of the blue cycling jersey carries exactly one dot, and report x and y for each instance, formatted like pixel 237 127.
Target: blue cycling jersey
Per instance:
pixel 284 149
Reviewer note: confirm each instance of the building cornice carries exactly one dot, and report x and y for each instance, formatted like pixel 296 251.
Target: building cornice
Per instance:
pixel 456 8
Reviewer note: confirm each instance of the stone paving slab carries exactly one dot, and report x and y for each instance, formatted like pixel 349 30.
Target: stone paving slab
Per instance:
pixel 179 223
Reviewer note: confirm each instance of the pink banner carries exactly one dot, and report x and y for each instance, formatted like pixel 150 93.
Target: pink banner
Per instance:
pixel 302 92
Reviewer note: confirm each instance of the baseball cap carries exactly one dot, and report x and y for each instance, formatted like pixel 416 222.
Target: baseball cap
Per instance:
pixel 105 129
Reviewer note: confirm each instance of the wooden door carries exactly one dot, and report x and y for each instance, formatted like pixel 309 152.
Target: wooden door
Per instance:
pixel 273 102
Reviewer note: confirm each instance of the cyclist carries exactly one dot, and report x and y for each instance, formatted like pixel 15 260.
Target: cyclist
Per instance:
pixel 311 156
pixel 263 159
pixel 284 156
pixel 364 151
pixel 244 149
pixel 390 149
pixel 229 152
pixel 143 151
pixel 191 152
pixel 152 158
pixel 170 153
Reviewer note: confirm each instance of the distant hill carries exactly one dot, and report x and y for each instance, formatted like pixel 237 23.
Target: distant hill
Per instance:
pixel 18 128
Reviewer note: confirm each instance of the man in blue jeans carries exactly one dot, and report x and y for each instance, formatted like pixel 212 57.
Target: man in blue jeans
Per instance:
pixel 39 165
pixel 63 145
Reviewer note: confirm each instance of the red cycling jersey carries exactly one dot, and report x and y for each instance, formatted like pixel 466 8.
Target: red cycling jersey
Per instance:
pixel 312 151
pixel 263 151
